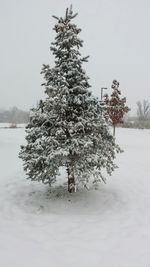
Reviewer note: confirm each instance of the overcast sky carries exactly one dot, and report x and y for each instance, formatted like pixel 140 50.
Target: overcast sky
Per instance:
pixel 115 33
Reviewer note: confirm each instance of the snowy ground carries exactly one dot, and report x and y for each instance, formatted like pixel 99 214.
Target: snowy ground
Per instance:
pixel 8 125
pixel 105 227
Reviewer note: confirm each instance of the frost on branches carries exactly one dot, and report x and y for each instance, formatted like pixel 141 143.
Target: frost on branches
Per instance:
pixel 68 129
pixel 116 106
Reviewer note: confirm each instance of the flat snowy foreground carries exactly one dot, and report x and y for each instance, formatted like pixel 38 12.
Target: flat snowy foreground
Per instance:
pixel 105 227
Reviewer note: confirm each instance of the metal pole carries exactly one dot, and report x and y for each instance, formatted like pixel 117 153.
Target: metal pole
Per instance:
pixel 102 88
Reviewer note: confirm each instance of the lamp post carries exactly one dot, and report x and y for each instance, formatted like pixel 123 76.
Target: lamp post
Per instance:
pixel 103 88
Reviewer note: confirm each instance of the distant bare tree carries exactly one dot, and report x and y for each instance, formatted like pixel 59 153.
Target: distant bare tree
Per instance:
pixel 143 110
pixel 14 116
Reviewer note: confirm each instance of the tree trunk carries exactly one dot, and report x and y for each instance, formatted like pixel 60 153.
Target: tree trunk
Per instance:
pixel 71 178
pixel 114 128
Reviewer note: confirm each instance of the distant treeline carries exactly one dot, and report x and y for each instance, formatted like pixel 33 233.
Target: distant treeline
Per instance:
pixel 142 118
pixel 134 122
pixel 14 116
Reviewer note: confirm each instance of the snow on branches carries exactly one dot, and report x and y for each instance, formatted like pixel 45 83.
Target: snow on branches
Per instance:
pixel 67 129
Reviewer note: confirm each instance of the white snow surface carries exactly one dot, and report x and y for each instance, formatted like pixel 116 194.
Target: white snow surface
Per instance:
pixel 8 125
pixel 106 227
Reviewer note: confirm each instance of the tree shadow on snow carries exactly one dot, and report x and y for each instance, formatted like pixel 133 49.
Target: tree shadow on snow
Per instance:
pixel 37 198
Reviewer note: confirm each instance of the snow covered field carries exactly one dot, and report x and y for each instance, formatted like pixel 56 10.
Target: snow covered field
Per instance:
pixel 105 227
pixel 8 125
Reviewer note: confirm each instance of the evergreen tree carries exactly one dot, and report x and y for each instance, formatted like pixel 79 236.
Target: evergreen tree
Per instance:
pixel 68 129
pixel 116 106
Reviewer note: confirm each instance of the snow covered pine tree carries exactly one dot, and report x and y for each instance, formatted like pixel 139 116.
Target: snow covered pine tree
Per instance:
pixel 67 129
pixel 115 105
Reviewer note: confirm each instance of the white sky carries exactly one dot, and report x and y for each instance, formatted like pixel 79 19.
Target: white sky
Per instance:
pixel 115 34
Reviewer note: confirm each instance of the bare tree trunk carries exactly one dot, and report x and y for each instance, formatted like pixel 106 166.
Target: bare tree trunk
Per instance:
pixel 114 128
pixel 71 178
